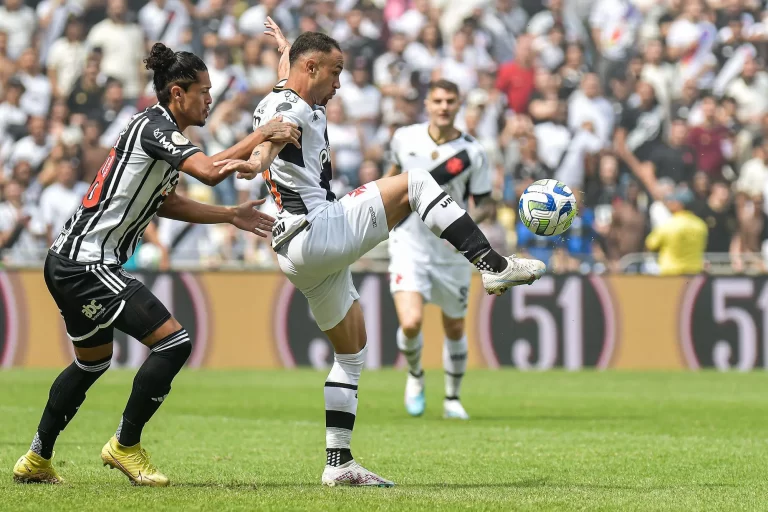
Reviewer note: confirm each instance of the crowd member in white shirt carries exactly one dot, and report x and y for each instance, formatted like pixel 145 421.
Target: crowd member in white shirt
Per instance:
pixel 614 25
pixel 348 144
pixel 588 105
pixel 21 236
pixel 19 22
pixel 690 41
pixel 251 22
pixel 165 21
pixel 60 199
pixel 52 19
pixel 455 67
pixel 657 72
pixel 36 100
pixel 362 99
pixel 66 58
pixel 413 20
pixel 226 79
pixel 122 45
pixel 13 119
pixel 425 53
pixel 750 91
pixel 35 147
pixel 259 68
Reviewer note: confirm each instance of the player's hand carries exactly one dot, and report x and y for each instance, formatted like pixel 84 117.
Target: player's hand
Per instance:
pixel 274 30
pixel 245 169
pixel 248 218
pixel 279 132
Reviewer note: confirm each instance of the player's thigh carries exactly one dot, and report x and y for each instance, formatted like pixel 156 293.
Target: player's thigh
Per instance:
pixel 89 300
pixel 145 317
pixel 330 297
pixel 450 292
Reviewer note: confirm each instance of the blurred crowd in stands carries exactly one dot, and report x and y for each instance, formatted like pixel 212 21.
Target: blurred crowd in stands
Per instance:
pixel 626 101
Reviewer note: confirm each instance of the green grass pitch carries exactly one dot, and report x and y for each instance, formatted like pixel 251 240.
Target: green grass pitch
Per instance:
pixel 537 441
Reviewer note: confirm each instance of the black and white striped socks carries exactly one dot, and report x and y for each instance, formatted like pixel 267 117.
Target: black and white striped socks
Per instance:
pixel 454 364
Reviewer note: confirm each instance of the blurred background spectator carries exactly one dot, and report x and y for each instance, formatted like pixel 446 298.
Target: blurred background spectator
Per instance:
pixel 629 102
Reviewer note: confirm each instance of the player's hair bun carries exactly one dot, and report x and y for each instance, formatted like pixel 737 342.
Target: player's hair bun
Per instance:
pixel 160 58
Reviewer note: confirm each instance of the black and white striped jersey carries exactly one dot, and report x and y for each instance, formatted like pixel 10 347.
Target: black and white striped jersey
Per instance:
pixel 298 179
pixel 137 176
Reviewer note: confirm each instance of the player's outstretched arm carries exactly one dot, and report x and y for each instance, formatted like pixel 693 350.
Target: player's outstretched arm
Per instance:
pixel 244 216
pixel 203 167
pixel 261 158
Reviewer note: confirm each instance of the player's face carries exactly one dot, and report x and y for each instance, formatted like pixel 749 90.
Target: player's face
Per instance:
pixel 442 107
pixel 326 82
pixel 195 103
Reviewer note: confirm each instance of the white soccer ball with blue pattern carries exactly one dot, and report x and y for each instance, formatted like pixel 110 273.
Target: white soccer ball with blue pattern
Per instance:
pixel 547 207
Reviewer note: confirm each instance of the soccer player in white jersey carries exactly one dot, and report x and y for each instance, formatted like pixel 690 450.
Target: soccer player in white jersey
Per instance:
pixel 424 268
pixel 84 274
pixel 317 236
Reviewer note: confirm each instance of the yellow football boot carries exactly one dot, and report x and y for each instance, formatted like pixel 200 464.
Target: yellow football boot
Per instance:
pixel 134 462
pixel 32 468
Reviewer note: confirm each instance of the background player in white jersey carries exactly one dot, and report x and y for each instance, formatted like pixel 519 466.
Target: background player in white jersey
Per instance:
pixel 317 237
pixel 424 268
pixel 84 274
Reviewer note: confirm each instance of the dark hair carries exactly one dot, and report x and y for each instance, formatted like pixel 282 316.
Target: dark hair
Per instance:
pixel 169 67
pixel 312 42
pixel 445 85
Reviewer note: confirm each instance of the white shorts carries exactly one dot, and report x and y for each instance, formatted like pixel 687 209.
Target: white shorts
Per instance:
pixel 317 259
pixel 446 285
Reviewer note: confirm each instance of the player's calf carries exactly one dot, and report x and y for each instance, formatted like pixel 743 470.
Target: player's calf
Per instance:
pixel 152 384
pixel 452 223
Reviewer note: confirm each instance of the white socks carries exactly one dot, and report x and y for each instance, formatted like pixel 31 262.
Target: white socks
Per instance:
pixel 435 207
pixel 411 349
pixel 455 364
pixel 341 398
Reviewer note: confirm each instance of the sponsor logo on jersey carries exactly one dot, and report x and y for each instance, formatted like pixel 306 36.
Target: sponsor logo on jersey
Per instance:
pixel 167 145
pixel 448 200
pixel 93 310
pixel 315 117
pixel 283 107
pixel 179 139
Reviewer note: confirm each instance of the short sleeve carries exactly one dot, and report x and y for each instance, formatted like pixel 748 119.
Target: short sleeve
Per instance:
pixel 480 179
pixel 165 142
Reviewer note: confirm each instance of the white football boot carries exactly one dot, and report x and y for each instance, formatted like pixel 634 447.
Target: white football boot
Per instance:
pixel 353 474
pixel 415 402
pixel 519 271
pixel 453 410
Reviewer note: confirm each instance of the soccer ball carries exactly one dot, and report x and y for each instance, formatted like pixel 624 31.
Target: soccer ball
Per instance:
pixel 547 207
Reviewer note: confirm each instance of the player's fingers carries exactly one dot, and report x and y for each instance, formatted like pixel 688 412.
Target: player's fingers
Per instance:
pixel 295 142
pixel 222 162
pixel 256 203
pixel 259 233
pixel 266 220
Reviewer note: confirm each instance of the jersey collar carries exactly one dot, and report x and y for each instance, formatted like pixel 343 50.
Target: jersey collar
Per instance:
pixel 167 113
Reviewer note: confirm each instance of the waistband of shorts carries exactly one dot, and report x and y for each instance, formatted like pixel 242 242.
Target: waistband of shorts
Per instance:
pixel 304 225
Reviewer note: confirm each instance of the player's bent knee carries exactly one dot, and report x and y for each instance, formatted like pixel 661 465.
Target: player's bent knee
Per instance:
pixel 411 326
pixel 454 330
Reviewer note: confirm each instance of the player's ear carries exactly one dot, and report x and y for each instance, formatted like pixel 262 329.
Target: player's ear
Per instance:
pixel 311 66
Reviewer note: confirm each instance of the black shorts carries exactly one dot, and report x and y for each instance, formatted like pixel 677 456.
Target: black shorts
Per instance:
pixel 94 299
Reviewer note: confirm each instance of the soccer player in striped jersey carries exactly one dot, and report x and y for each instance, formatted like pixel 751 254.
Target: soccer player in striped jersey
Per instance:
pixel 84 274
pixel 318 237
pixel 423 268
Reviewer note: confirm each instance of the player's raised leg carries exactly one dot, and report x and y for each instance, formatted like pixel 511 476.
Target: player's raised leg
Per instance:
pixel 409 306
pixel 417 191
pixel 66 396
pixel 454 365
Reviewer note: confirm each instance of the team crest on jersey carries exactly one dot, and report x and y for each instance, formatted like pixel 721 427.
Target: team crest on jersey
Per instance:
pixel 435 154
pixel 179 139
